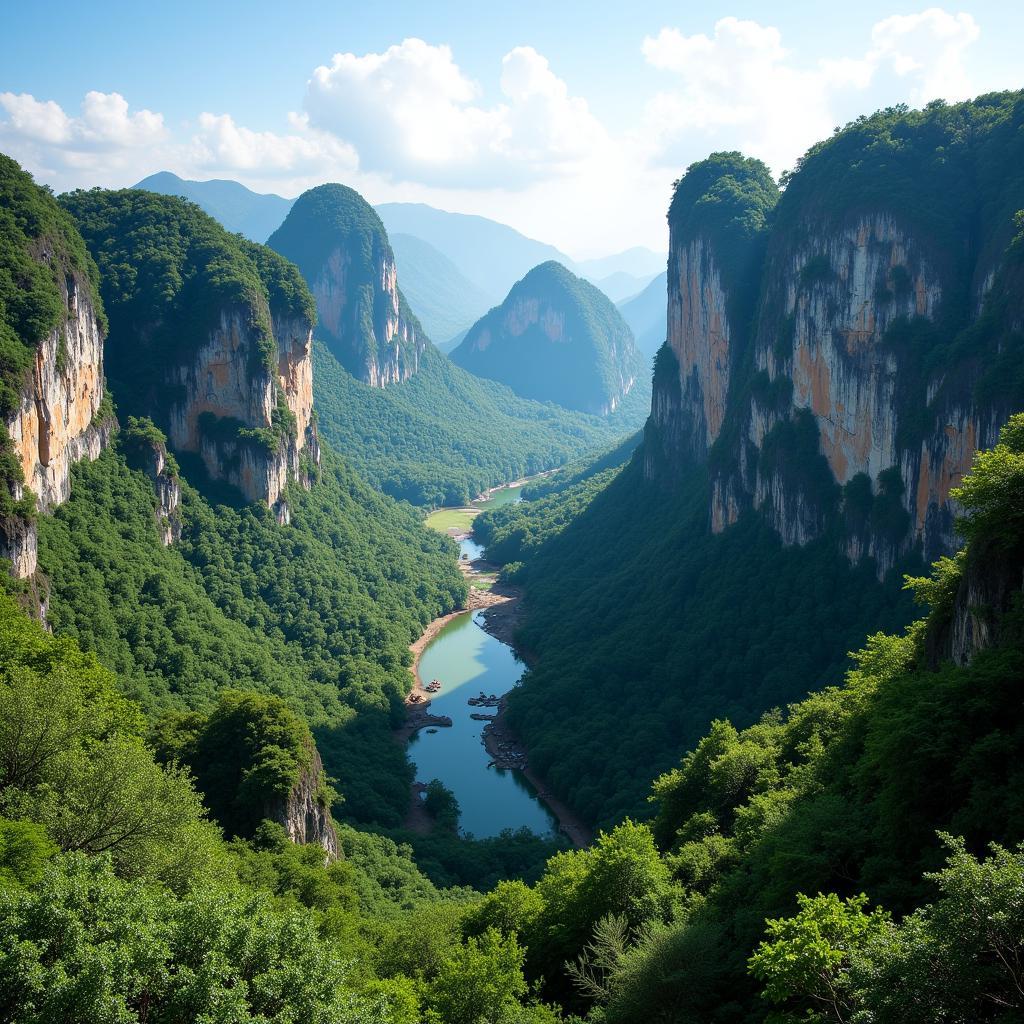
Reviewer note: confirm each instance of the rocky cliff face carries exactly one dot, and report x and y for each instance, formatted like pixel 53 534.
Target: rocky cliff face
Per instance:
pixel 855 394
pixel 304 818
pixel 58 421
pixel 375 335
pixel 229 406
pixel 339 243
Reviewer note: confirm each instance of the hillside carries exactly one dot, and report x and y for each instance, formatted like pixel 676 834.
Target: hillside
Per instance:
pixel 342 250
pixel 556 338
pixel 237 208
pixel 645 314
pixel 445 436
pixel 445 302
pixel 656 608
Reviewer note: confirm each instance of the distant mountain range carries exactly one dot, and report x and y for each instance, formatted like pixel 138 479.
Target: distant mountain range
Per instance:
pixel 239 209
pixel 647 316
pixel 444 299
pixel 453 266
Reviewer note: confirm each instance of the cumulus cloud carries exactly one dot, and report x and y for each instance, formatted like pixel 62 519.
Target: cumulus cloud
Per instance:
pixel 412 114
pixel 224 144
pixel 929 49
pixel 104 123
pixel 741 87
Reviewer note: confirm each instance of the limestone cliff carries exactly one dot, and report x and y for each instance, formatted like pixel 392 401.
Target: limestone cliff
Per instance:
pixel 555 338
pixel 342 249
pixel 211 338
pixel 53 406
pixel 145 447
pixel 249 424
pixel 303 814
pixel 852 394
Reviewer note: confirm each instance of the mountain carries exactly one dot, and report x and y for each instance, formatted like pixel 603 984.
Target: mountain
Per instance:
pixel 54 408
pixel 835 359
pixel 339 244
pixel 842 356
pixel 620 285
pixel 637 262
pixel 555 338
pixel 210 337
pixel 491 255
pixel 645 314
pixel 238 209
pixel 444 301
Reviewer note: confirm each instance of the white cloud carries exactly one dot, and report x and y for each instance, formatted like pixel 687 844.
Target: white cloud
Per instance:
pixel 741 88
pixel 413 115
pixel 927 48
pixel 105 123
pixel 223 144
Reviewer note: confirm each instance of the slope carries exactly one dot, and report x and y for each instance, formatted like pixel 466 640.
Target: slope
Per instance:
pixel 239 209
pixel 645 314
pixel 445 435
pixel 443 299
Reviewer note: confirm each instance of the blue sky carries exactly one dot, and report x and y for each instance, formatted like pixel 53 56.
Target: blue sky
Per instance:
pixel 567 120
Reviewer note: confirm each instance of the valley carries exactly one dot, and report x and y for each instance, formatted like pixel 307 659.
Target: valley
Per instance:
pixel 650 663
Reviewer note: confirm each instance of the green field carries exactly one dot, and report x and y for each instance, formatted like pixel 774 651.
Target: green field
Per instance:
pixel 445 519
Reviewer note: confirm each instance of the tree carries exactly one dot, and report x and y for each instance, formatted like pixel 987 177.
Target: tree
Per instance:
pixel 480 981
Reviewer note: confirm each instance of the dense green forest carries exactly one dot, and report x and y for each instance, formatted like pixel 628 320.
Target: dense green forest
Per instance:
pixel 321 613
pixel 612 561
pixel 794 864
pixel 586 365
pixel 444 436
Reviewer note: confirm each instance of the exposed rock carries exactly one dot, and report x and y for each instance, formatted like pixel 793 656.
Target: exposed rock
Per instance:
pixel 225 383
pixel 339 243
pixel 304 817
pixel 57 423
pixel 990 580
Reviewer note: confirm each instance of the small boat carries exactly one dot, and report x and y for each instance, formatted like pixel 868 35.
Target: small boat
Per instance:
pixel 430 732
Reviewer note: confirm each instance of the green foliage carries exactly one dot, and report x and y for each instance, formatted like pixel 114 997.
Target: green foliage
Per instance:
pixel 85 946
pixel 41 255
pixel 582 369
pixel 441 805
pixel 992 494
pixel 24 850
pixel 479 983
pixel 958 958
pixel 634 569
pixel 445 436
pixel 247 756
pixel 320 613
pixel 809 955
pixel 170 273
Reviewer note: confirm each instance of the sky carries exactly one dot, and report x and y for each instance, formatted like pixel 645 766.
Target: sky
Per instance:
pixel 570 121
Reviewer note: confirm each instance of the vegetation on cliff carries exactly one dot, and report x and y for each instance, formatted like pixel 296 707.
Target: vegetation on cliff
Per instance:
pixel 334 219
pixel 445 436
pixel 556 338
pixel 321 613
pixel 169 274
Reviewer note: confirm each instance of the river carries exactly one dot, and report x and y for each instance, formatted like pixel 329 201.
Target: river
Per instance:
pixel 469 660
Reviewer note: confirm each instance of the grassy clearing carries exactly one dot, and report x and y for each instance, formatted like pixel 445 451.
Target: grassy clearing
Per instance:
pixel 444 519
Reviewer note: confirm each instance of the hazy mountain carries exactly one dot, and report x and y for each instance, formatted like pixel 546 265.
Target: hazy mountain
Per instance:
pixel 646 315
pixel 556 338
pixel 621 286
pixel 445 300
pixel 237 208
pixel 638 262
pixel 491 255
